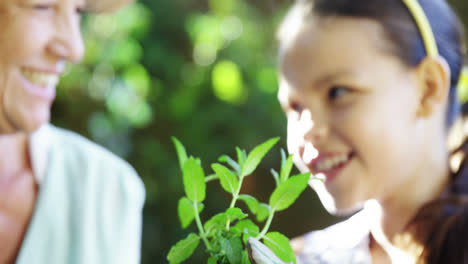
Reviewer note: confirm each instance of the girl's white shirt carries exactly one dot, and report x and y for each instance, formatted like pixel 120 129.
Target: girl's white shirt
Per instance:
pixel 345 242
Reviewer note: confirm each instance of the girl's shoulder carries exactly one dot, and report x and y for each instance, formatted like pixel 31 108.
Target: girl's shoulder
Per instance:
pixel 344 242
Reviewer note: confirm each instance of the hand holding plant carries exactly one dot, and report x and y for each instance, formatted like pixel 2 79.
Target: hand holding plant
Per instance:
pixel 225 234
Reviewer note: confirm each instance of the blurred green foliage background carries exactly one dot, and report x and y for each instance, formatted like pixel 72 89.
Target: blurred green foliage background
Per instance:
pixel 203 71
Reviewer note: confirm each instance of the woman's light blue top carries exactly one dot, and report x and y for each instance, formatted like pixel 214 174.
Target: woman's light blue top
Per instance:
pixel 89 206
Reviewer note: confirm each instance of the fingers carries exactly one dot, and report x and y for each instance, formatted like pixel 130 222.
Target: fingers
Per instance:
pixel 261 254
pixel 297 244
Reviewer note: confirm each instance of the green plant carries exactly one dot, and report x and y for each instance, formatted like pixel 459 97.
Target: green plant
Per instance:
pixel 224 235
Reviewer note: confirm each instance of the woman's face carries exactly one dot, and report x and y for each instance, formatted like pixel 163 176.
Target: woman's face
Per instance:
pixel 36 38
pixel 351 108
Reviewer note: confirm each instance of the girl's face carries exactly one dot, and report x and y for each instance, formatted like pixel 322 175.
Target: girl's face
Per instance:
pixel 352 112
pixel 36 38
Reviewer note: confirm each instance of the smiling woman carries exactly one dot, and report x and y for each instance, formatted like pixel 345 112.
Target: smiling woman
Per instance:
pixel 63 199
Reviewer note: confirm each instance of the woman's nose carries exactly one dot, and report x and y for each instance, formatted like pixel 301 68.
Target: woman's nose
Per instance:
pixel 67 42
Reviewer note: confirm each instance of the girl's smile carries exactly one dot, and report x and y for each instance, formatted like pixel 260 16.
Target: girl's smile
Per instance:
pixel 352 110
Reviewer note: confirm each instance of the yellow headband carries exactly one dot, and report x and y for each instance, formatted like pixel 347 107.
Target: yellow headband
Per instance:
pixel 428 37
pixel 424 27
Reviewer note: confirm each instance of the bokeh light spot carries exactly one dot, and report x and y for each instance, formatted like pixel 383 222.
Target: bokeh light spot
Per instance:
pixel 204 54
pixel 227 82
pixel 231 28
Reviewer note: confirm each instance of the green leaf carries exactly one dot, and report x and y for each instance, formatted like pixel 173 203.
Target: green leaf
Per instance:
pixel 228 180
pixel 279 244
pixel 183 249
pixel 181 153
pixel 231 162
pixel 263 212
pixel 235 214
pixel 286 166
pixel 286 194
pixel 245 257
pixel 233 249
pixel 186 211
pixel 276 177
pixel 217 222
pixel 211 260
pixel 194 181
pixel 246 228
pixel 241 156
pixel 251 202
pixel 256 155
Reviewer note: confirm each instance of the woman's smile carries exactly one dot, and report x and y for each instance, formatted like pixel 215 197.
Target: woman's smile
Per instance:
pixel 40 83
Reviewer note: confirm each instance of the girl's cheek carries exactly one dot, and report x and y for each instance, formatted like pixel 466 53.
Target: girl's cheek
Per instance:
pixel 294 137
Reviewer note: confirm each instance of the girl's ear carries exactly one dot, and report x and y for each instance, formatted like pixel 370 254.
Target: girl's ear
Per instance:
pixel 433 75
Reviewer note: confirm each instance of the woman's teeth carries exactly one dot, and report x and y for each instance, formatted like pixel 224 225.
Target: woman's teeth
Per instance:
pixel 329 163
pixel 40 78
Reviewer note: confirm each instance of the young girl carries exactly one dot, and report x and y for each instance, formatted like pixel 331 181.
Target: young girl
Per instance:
pixel 369 90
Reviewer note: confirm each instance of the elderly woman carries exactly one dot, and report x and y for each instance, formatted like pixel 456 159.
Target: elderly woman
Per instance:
pixel 63 199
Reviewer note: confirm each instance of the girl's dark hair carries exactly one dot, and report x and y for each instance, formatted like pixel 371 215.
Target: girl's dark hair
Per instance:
pixel 443 223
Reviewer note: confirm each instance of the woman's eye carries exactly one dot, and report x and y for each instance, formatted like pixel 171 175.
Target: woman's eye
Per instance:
pixel 43 7
pixel 80 11
pixel 336 92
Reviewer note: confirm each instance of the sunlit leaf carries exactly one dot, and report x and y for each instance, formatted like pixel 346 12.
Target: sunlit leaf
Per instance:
pixel 187 212
pixel 228 180
pixel 231 162
pixel 241 156
pixel 263 212
pixel 233 249
pixel 217 222
pixel 211 260
pixel 279 244
pixel 251 202
pixel 287 192
pixel 246 228
pixel 256 155
pixel 235 214
pixel 194 180
pixel 286 166
pixel 181 153
pixel 183 249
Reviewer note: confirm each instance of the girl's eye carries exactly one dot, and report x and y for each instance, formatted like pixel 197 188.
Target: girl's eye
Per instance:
pixel 336 92
pixel 296 107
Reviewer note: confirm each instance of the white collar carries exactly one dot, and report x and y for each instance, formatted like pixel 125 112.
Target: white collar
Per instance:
pixel 39 149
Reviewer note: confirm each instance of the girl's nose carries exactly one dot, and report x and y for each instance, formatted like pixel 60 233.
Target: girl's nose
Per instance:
pixel 314 128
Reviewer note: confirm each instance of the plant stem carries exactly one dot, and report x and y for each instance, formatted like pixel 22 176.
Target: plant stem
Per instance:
pixel 211 178
pixel 267 226
pixel 236 195
pixel 234 199
pixel 200 227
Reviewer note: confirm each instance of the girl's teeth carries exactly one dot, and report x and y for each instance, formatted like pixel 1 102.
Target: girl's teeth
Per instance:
pixel 41 79
pixel 310 153
pixel 329 163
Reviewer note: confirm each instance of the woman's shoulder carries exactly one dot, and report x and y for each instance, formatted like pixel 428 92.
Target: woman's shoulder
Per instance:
pixel 344 242
pixel 90 162
pixel 84 150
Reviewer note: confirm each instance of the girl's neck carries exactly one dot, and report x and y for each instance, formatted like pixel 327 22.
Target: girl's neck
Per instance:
pixel 14 156
pixel 390 216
